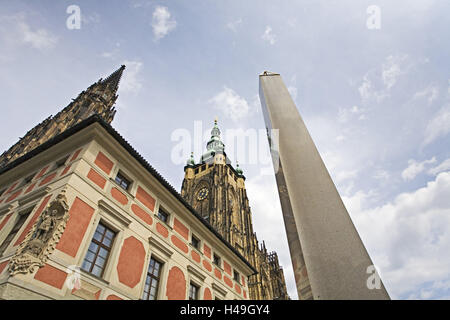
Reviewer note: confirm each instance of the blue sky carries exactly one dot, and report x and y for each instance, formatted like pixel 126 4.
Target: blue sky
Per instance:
pixel 376 102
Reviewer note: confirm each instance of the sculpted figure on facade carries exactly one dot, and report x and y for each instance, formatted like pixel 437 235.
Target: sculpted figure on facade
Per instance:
pixel 42 238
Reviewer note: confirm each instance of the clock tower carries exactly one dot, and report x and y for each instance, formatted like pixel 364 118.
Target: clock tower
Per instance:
pixel 216 190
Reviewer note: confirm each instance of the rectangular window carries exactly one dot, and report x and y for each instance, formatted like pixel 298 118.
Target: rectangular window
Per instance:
pixel 195 242
pixel 122 181
pixel 236 276
pixel 61 162
pixel 196 170
pixel 28 179
pixel 163 215
pixel 152 280
pixel 99 249
pixel 216 260
pixel 193 292
pixel 19 223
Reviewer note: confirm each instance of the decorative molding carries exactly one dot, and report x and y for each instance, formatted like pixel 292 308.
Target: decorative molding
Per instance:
pixel 218 289
pixel 41 240
pixel 160 246
pixel 102 204
pixel 196 273
pixel 33 195
pixel 9 208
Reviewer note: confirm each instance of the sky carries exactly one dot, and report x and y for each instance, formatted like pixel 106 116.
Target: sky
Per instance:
pixel 370 79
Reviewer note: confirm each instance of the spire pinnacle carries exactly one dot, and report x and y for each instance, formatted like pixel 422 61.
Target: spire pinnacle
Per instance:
pixel 113 80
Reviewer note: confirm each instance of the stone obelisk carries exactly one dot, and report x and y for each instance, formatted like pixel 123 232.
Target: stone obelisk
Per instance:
pixel 328 256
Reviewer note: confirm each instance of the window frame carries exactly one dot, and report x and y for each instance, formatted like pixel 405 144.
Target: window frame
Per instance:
pixel 152 277
pixel 237 275
pixel 219 264
pixel 198 241
pixel 164 211
pixel 197 292
pixel 60 163
pixel 12 233
pixel 123 178
pixel 100 245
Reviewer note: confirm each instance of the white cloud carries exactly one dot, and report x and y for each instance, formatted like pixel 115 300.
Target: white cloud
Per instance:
pixel 131 81
pixel 444 166
pixel 381 175
pixel 233 25
pixel 346 114
pixel 409 238
pixel 15 29
pixel 391 70
pixel 269 36
pixel 162 24
pixel 378 82
pixel 438 126
pixel 430 93
pixel 414 168
pixel 231 104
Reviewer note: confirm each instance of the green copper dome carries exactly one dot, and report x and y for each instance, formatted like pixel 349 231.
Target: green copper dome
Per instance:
pixel 191 161
pixel 239 170
pixel 214 145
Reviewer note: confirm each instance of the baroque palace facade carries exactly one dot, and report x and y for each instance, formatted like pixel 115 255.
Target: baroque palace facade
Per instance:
pixel 84 216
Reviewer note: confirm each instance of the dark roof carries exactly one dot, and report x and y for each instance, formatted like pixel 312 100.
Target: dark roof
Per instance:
pixel 97 119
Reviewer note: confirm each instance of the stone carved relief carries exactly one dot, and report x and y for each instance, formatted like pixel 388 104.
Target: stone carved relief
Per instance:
pixel 42 238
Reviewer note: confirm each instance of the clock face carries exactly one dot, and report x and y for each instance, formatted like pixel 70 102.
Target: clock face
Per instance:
pixel 202 194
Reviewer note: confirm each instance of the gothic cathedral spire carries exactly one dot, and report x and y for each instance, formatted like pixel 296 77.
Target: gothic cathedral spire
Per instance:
pixel 98 99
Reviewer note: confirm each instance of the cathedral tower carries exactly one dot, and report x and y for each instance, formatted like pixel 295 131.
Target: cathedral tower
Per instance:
pixel 216 190
pixel 98 99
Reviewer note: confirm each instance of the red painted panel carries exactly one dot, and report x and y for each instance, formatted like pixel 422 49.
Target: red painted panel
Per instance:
pixel 47 179
pixel 226 267
pixel 245 294
pixel 30 188
pixel 207 265
pixel 176 284
pixel 12 187
pixel 80 215
pixel 180 244
pixel 14 195
pixel 243 281
pixel 113 297
pixel 96 178
pixel 179 227
pixel 195 256
pixel 207 294
pixel 3 265
pixel 131 262
pixel 41 173
pixel 162 230
pixel 104 163
pixel 4 221
pixel 75 155
pixel 207 251
pixel 228 281
pixel 218 274
pixel 51 276
pixel 66 169
pixel 146 199
pixel 33 219
pixel 237 288
pixel 119 196
pixel 142 214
